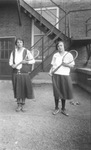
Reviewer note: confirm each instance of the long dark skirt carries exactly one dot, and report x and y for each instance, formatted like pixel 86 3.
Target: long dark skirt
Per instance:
pixel 22 86
pixel 62 87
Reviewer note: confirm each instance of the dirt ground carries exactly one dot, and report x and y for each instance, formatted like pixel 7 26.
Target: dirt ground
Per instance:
pixel 37 128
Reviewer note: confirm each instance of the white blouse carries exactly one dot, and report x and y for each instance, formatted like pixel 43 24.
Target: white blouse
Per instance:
pixel 19 58
pixel 57 60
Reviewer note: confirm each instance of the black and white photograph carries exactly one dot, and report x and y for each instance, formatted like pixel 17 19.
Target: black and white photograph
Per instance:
pixel 45 74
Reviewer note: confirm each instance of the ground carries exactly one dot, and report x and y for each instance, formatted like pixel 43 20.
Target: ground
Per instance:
pixel 37 128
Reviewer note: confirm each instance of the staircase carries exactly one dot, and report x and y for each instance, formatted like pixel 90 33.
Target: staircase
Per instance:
pixel 53 34
pixel 41 22
pixel 50 31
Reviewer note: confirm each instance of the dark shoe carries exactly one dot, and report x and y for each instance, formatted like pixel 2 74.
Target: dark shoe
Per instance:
pixel 18 109
pixel 56 111
pixel 64 112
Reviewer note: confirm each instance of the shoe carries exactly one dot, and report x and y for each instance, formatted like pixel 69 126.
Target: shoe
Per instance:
pixel 64 112
pixel 56 111
pixel 18 109
pixel 23 108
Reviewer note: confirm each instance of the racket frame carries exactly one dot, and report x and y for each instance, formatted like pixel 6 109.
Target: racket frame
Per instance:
pixel 29 59
pixel 63 59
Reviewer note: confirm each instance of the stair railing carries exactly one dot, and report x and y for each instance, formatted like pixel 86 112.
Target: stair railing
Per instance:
pixel 67 13
pixel 50 31
pixel 87 25
pixel 46 59
pixel 46 9
pixel 63 11
pixel 46 34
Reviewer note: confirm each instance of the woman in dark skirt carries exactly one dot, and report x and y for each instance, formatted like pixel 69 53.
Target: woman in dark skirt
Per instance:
pixel 22 85
pixel 62 85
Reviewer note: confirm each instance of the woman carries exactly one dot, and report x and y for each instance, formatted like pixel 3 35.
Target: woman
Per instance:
pixel 62 86
pixel 20 60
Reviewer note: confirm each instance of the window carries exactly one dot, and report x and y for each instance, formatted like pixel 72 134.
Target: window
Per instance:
pixel 6 46
pixel 50 13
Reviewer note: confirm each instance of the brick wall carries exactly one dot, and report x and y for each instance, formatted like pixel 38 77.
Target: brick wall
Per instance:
pixel 77 19
pixel 9 24
pixel 78 27
pixel 77 22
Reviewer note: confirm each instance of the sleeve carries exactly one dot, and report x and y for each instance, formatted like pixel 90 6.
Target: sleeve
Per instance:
pixel 11 59
pixel 53 64
pixel 53 60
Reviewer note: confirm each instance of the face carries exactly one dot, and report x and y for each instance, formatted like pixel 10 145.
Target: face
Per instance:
pixel 19 43
pixel 61 47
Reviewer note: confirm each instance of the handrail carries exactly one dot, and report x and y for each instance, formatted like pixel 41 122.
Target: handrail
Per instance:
pixel 63 11
pixel 86 22
pixel 67 13
pixel 58 6
pixel 48 33
pixel 73 11
pixel 63 18
pixel 51 13
pixel 52 42
pixel 88 19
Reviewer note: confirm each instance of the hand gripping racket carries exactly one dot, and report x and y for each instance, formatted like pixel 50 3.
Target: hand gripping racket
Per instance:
pixel 35 54
pixel 73 54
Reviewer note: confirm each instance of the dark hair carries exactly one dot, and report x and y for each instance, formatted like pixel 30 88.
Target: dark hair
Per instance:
pixel 19 40
pixel 58 43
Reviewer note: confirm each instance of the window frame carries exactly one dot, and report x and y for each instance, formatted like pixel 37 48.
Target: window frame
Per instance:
pixel 51 8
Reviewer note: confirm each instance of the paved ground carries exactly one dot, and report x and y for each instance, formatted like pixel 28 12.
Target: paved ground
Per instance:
pixel 37 128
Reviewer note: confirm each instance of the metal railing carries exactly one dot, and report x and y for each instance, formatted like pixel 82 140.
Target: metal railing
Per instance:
pixel 63 11
pixel 67 25
pixel 87 25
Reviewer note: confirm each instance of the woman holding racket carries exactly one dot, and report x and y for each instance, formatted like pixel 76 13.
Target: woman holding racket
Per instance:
pixel 20 60
pixel 60 71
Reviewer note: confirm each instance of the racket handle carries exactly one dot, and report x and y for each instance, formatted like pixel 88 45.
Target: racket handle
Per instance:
pixel 19 72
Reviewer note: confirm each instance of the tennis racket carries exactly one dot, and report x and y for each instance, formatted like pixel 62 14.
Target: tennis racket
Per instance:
pixel 68 58
pixel 34 52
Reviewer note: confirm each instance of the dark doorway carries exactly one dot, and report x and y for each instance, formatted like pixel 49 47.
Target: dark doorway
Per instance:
pixel 7 45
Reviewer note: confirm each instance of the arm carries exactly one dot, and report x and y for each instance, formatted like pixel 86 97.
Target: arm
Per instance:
pixel 69 62
pixel 52 66
pixel 51 70
pixel 71 65
pixel 11 61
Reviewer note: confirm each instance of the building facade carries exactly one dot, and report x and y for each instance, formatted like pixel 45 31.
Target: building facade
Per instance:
pixel 14 23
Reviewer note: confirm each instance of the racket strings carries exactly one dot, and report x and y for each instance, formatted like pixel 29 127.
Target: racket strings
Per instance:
pixel 70 56
pixel 35 53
